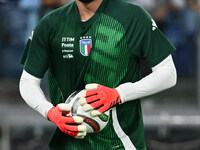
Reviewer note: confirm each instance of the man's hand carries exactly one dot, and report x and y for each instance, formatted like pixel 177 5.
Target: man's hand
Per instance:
pixel 66 123
pixel 98 97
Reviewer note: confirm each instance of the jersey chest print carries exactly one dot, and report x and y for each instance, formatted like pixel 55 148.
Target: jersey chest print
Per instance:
pixel 67 47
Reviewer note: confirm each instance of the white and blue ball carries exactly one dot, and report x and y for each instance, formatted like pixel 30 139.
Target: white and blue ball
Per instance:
pixel 93 124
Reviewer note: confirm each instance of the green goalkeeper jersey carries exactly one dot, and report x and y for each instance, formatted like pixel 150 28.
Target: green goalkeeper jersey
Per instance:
pixel 106 50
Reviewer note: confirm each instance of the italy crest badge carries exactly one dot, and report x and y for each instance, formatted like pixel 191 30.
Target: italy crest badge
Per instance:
pixel 85 46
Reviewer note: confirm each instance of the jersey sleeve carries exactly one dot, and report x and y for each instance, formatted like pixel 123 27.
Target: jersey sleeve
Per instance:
pixel 147 41
pixel 35 57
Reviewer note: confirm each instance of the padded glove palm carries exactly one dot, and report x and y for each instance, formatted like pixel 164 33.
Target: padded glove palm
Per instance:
pixel 99 97
pixel 70 125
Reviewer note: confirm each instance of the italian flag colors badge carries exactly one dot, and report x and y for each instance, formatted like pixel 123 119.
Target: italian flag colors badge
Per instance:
pixel 85 46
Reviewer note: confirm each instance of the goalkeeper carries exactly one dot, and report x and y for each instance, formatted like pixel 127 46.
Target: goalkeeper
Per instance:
pixel 97 45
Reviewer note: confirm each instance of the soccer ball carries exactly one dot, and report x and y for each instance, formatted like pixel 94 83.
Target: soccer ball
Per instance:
pixel 93 124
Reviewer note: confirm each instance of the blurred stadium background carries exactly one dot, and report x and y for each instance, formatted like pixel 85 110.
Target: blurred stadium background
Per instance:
pixel 171 118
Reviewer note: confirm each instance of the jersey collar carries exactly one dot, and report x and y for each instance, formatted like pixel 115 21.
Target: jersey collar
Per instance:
pixel 87 23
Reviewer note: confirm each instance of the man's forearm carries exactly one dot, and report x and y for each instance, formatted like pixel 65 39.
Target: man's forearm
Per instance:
pixel 32 93
pixel 163 77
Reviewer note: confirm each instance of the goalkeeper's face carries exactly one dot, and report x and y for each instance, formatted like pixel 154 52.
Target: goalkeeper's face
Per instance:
pixel 86 1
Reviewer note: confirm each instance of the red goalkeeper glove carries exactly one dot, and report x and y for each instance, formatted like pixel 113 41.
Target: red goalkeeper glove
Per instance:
pixel 99 97
pixel 70 125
